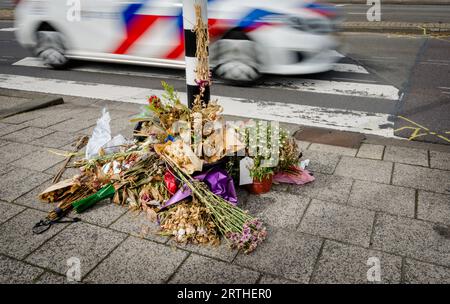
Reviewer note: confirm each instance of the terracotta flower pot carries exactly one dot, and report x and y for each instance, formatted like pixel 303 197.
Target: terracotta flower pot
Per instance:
pixel 259 187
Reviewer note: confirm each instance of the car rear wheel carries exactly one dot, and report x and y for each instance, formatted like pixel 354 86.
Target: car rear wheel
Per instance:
pixel 50 48
pixel 236 60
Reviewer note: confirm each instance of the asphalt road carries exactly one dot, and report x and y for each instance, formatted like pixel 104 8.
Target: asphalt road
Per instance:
pixel 399 13
pixel 425 109
pixel 6 4
pixel 380 77
pixel 390 12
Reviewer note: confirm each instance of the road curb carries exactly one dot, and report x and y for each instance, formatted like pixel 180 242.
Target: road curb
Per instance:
pixel 396 27
pixel 393 31
pixel 34 104
pixel 349 139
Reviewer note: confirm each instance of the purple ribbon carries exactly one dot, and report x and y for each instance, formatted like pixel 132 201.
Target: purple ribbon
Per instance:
pixel 217 180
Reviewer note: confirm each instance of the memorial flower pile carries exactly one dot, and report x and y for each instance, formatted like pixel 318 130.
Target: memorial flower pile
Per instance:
pixel 176 170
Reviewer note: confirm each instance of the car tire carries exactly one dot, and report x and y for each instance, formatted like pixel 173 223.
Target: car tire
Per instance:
pixel 236 59
pixel 50 48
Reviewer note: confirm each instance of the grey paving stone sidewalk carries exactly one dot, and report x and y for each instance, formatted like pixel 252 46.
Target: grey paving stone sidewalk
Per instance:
pixel 379 202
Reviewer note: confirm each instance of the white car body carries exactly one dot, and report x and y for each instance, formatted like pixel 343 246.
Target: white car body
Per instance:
pixel 119 31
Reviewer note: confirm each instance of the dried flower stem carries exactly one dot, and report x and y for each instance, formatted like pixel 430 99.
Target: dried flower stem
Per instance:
pixel 201 32
pixel 244 231
pixel 201 53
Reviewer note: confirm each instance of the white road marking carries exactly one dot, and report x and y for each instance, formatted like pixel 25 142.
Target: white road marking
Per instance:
pixel 435 63
pixel 31 62
pixel 8 29
pixel 337 54
pixel 128 73
pixel 338 88
pixel 444 90
pixel 439 60
pixel 350 68
pixel 383 57
pixel 351 79
pixel 375 58
pixel 37 63
pixel 356 121
pixel 314 86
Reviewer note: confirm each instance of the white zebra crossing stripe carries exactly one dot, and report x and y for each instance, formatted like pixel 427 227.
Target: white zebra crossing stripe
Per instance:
pixel 307 85
pixel 37 63
pixel 8 29
pixel 349 68
pixel 337 54
pixel 356 121
pixel 30 62
pixel 339 88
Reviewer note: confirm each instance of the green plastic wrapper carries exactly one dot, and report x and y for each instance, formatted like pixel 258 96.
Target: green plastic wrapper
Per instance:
pixel 85 203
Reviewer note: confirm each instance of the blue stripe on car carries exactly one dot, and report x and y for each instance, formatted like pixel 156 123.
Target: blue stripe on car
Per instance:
pixel 253 17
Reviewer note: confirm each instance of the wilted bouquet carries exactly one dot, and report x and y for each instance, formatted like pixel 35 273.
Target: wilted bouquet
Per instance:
pixel 242 230
pixel 189 222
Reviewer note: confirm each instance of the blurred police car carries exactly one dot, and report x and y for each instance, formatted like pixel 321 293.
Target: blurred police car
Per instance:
pixel 247 37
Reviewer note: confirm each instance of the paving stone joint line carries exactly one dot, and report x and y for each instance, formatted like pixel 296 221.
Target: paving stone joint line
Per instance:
pixel 127 236
pixel 316 262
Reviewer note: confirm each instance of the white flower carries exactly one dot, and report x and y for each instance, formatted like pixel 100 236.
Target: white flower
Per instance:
pixel 201 230
pixel 190 230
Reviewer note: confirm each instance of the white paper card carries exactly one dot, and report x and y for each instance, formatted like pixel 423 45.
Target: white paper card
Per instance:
pixel 244 172
pixel 304 164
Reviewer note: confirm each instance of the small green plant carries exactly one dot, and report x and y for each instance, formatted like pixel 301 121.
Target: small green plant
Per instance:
pixel 259 173
pixel 232 168
pixel 169 95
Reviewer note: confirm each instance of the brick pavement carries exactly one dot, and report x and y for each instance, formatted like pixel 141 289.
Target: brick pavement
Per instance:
pixel 378 201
